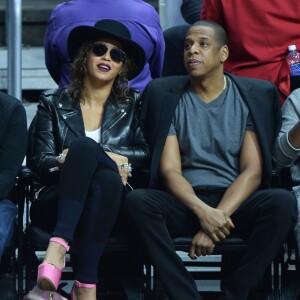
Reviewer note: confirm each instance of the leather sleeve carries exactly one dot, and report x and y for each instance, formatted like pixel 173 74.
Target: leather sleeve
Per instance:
pixel 43 152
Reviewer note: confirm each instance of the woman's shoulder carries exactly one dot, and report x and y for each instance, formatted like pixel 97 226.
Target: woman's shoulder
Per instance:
pixel 132 96
pixel 52 93
pixel 55 96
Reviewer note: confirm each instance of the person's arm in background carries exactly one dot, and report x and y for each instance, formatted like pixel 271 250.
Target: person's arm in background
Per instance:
pixel 287 148
pixel 157 58
pixel 191 10
pixel 212 10
pixel 13 143
pixel 52 61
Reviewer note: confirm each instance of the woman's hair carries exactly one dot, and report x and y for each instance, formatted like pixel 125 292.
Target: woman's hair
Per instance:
pixel 79 72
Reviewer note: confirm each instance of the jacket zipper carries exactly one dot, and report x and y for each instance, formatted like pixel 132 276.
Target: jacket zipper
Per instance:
pixel 115 122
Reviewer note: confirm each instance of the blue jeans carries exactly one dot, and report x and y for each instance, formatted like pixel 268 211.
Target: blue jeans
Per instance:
pixel 8 212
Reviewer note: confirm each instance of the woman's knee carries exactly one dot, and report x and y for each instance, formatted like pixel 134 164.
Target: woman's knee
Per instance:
pixel 108 179
pixel 83 145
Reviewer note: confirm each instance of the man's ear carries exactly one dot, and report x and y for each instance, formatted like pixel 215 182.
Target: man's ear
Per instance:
pixel 224 52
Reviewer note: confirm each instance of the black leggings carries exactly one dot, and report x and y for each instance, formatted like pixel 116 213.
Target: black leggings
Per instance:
pixel 89 196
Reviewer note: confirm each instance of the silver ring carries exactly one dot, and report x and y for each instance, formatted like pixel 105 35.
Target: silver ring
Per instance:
pixel 126 166
pixel 129 168
pixel 61 158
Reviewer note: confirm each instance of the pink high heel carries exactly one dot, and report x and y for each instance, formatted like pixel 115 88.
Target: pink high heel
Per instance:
pixel 78 284
pixel 49 275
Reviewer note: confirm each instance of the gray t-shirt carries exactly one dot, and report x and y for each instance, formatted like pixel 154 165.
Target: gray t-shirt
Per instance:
pixel 210 136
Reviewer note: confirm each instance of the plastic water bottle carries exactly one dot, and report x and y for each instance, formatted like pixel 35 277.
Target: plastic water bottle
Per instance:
pixel 293 60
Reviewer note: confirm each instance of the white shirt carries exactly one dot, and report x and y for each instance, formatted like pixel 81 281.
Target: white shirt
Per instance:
pixel 95 135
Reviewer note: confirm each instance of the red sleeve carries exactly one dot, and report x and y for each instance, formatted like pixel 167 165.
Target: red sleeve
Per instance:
pixel 212 10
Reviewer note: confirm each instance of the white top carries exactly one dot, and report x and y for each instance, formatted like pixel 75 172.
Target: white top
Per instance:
pixel 95 135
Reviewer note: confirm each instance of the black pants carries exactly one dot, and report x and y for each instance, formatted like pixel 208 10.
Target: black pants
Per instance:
pixel 264 220
pixel 84 204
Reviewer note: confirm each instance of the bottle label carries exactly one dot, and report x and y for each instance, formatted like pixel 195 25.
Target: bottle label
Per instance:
pixel 295 69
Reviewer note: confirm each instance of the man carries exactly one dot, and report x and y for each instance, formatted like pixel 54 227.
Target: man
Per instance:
pixel 13 140
pixel 286 155
pixel 259 33
pixel 211 136
pixel 139 17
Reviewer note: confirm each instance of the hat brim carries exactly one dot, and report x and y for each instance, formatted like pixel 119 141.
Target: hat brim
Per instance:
pixel 83 34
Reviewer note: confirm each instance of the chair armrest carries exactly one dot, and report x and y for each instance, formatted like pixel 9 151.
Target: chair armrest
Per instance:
pixel 25 175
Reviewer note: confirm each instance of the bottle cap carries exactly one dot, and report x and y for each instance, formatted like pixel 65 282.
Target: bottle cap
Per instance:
pixel 292 47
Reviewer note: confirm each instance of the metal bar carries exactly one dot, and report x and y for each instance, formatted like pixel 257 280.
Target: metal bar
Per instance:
pixel 162 13
pixel 14 48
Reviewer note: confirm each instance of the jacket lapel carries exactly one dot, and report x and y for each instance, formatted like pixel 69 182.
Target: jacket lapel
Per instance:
pixel 70 112
pixel 113 114
pixel 167 101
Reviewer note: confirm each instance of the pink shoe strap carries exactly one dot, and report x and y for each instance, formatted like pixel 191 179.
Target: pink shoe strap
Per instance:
pixel 61 242
pixel 79 284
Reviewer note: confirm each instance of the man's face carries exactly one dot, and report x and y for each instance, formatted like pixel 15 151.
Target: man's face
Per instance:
pixel 202 54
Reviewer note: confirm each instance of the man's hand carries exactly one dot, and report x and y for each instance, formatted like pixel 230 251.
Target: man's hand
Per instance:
pixel 216 224
pixel 202 244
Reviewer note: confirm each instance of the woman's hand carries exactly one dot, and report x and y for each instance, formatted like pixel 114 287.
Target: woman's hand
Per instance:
pixel 61 157
pixel 122 165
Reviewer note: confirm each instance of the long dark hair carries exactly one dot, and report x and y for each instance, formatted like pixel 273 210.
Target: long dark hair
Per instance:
pixel 79 72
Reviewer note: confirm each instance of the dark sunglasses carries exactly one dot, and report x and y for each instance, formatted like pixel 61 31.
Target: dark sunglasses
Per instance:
pixel 116 54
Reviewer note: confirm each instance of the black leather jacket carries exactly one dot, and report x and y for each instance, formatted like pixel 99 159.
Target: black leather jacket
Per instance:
pixel 59 121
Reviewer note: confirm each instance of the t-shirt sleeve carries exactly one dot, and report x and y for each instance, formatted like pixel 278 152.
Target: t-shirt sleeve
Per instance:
pixel 172 130
pixel 250 125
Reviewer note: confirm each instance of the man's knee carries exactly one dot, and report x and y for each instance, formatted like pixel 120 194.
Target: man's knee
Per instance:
pixel 138 203
pixel 283 203
pixel 133 201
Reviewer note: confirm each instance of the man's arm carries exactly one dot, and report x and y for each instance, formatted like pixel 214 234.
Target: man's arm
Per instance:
pixel 214 222
pixel 250 175
pixel 51 58
pixel 294 136
pixel 287 147
pixel 13 148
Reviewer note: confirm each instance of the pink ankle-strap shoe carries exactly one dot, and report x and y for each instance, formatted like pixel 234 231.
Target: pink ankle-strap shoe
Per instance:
pixel 78 284
pixel 49 275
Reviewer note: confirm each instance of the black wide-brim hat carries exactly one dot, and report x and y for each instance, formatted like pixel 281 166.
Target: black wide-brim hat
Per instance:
pixel 108 28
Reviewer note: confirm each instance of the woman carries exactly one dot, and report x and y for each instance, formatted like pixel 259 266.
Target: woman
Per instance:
pixel 85 146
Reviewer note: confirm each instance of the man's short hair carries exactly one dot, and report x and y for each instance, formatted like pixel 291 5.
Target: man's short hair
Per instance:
pixel 220 33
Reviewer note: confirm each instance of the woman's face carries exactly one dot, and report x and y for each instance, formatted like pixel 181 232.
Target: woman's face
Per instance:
pixel 105 60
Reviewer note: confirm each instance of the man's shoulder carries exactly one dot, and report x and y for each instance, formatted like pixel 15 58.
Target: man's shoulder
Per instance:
pixel 255 82
pixel 169 82
pixel 8 102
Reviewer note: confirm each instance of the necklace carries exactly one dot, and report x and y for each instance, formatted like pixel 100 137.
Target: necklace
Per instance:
pixel 225 82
